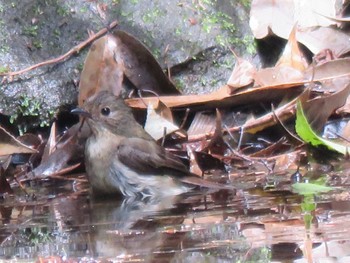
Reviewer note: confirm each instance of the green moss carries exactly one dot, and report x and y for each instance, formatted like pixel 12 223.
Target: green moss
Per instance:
pixel 80 66
pixel 250 44
pixel 57 33
pixel 62 11
pixel 151 15
pixel 29 108
pixel 180 84
pixel 37 44
pixel 4 48
pixel 83 9
pixel 4 69
pixel 31 31
pixel 245 3
pixel 178 31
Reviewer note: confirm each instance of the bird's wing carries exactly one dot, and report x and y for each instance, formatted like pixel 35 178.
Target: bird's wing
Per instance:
pixel 147 157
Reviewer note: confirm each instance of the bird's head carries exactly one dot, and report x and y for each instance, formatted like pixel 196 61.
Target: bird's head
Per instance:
pixel 104 110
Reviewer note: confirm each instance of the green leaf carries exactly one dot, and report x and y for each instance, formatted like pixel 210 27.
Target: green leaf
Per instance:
pixel 306 133
pixel 309 188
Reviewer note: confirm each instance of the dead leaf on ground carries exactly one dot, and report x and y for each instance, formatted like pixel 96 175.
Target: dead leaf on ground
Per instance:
pixel 292 55
pixel 101 71
pixel 222 97
pixel 50 144
pixel 329 70
pixel 242 75
pixel 279 16
pixel 318 39
pixel 10 145
pixel 117 60
pixel 140 66
pixel 58 160
pixel 159 124
pixel 275 76
pixel 317 118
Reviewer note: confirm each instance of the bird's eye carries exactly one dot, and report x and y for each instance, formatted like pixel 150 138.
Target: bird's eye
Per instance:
pixel 105 111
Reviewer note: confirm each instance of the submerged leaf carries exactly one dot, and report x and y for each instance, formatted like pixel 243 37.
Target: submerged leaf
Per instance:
pixel 309 188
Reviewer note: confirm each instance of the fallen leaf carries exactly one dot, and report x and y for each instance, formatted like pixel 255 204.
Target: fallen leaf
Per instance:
pixel 279 16
pixel 328 103
pixel 50 144
pixel 242 75
pixel 275 76
pixel 328 70
pixel 222 98
pixel 10 145
pixel 118 61
pixel 320 38
pixel 59 159
pixel 140 66
pixel 292 55
pixel 101 71
pixel 156 125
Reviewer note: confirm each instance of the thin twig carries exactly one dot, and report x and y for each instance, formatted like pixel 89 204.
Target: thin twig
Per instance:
pixel 63 57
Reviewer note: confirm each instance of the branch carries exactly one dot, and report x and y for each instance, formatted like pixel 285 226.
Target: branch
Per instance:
pixel 63 57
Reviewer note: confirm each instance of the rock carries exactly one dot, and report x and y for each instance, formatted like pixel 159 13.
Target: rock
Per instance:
pixel 191 36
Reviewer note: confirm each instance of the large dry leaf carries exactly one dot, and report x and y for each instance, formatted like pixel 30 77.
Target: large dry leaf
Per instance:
pixel 202 123
pixel 222 97
pixel 321 38
pixel 140 66
pixel 58 160
pixel 319 109
pixel 242 75
pixel 10 145
pixel 50 144
pixel 117 59
pixel 279 16
pixel 157 125
pixel 329 70
pixel 292 55
pixel 278 76
pixel 101 71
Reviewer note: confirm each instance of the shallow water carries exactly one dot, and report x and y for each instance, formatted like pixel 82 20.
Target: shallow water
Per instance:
pixel 62 222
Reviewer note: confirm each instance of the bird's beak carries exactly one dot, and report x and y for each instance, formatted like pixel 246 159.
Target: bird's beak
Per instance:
pixel 81 112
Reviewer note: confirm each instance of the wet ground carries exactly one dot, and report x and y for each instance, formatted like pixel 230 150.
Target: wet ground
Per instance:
pixel 254 223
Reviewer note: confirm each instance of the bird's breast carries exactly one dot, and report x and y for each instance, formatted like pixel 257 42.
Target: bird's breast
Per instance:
pixel 98 160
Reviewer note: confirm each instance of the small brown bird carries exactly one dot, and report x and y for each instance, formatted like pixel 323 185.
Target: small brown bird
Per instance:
pixel 121 157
